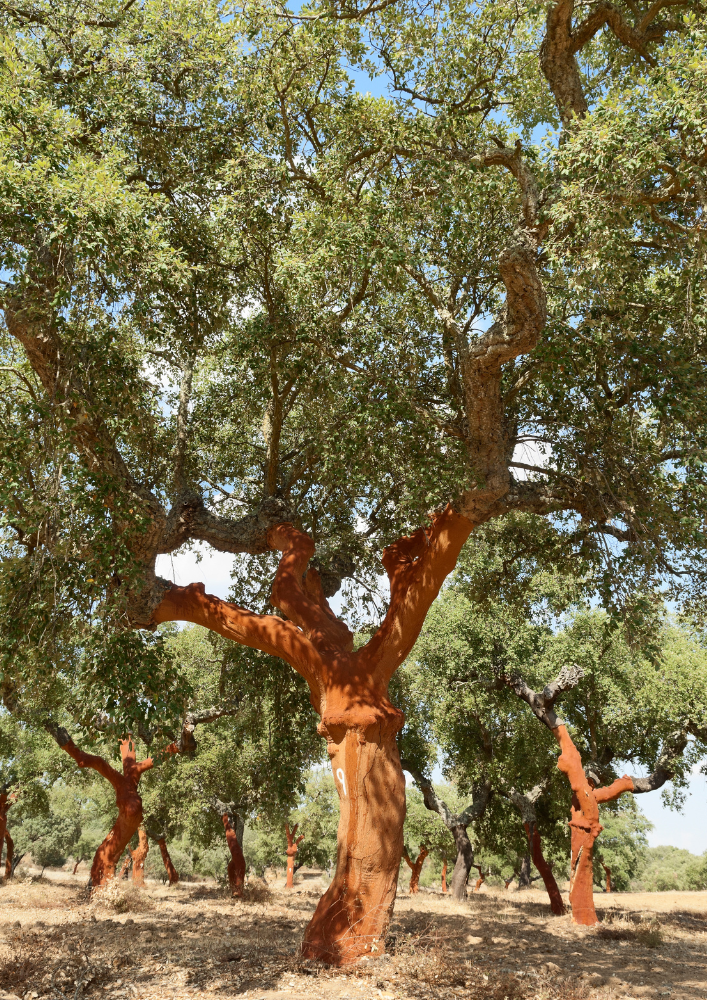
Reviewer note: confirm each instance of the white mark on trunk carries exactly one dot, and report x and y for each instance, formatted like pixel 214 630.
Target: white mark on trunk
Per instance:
pixel 342 778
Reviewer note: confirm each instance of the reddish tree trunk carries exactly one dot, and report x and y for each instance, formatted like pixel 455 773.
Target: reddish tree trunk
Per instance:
pixel 236 866
pixel 10 844
pixel 76 866
pixel 509 880
pixel 6 802
pixel 139 855
pixel 349 689
pixel 172 873
pixel 416 867
pixel 444 876
pixel 480 880
pixel 584 824
pixel 607 872
pixel 292 848
pixel 535 845
pixel 127 800
pixel 127 860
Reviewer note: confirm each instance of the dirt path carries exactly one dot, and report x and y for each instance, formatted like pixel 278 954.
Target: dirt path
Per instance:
pixel 193 942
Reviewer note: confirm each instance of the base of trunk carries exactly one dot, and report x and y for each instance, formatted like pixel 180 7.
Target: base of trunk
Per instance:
pixel 352 916
pixel 139 858
pixel 557 906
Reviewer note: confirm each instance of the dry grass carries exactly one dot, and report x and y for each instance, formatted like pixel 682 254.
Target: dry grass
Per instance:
pixel 193 941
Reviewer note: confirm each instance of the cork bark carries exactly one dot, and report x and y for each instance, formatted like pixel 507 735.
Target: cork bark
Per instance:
pixel 416 867
pixel 139 856
pixel 291 851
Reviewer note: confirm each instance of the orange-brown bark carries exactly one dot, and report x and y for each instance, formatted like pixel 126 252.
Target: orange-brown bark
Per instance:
pixel 480 880
pixel 172 873
pixel 139 856
pixel 76 866
pixel 236 866
pixel 416 867
pixel 349 689
pixel 584 825
pixel 292 848
pixel 10 851
pixel 127 861
pixel 127 800
pixel 607 872
pixel 444 876
pixel 535 844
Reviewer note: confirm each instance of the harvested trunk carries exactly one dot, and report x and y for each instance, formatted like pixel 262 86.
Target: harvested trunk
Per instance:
pixel 553 891
pixel 444 876
pixel 127 861
pixel 76 866
pixel 416 867
pixel 480 880
pixel 127 800
pixel 292 848
pixel 10 851
pixel 607 872
pixel 509 880
pixel 236 866
pixel 139 856
pixel 584 824
pixel 349 689
pixel 172 873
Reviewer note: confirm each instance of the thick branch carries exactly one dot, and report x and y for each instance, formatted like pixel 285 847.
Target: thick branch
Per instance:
pixel 96 763
pixel 542 702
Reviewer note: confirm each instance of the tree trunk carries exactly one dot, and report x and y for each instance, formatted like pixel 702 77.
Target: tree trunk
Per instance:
pixel 462 866
pixel 556 904
pixel 127 860
pixel 524 875
pixel 444 876
pixel 292 848
pixel 480 880
pixel 172 873
pixel 76 866
pixel 585 826
pixel 139 855
pixel 607 872
pixel 416 867
pixel 349 689
pixel 353 914
pixel 236 866
pixel 10 851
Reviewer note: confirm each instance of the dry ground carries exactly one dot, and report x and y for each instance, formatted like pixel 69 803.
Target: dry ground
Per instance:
pixel 194 942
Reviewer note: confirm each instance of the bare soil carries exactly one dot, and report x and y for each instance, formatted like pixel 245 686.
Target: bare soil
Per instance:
pixel 192 941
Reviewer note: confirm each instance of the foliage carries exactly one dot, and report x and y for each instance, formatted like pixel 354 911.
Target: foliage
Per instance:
pixel 669 869
pixel 623 843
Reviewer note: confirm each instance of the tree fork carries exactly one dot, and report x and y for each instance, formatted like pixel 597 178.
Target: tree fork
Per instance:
pixel 416 867
pixel 127 799
pixel 349 689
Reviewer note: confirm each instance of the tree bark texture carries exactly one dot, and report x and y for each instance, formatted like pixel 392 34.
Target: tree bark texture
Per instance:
pixel 292 848
pixel 444 876
pixel 127 800
pixel 10 850
pixel 139 856
pixel 534 842
pixel 584 824
pixel 172 873
pixel 416 867
pixel 463 863
pixel 236 866
pixel 349 689
pixel 524 874
pixel 6 802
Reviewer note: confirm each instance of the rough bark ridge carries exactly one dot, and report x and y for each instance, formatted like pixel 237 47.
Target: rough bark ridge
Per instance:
pixel 456 824
pixel 127 799
pixel 416 867
pixel 349 689
pixel 139 856
pixel 525 803
pixel 292 848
